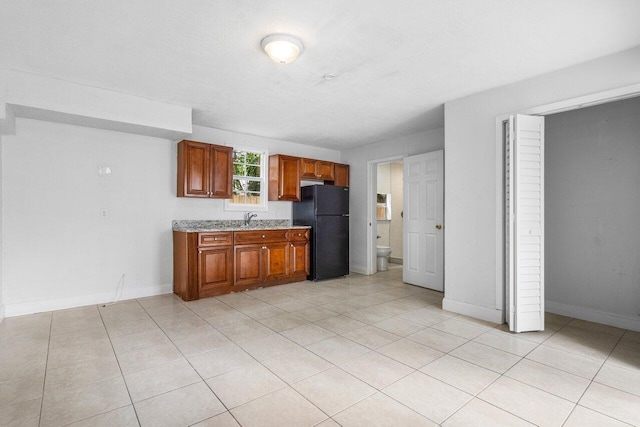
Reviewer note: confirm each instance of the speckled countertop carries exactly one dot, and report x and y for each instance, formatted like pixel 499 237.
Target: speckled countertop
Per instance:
pixel 201 226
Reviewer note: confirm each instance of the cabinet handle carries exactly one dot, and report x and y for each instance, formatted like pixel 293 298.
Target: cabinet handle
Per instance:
pixel 264 247
pixel 279 197
pixel 292 245
pixel 263 236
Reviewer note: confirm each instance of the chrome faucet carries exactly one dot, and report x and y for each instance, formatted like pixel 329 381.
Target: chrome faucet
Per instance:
pixel 247 218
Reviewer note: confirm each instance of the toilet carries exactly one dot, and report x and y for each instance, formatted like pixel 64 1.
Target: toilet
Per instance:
pixel 383 253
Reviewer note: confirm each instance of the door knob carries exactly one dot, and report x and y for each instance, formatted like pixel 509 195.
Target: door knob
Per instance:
pixel 438 226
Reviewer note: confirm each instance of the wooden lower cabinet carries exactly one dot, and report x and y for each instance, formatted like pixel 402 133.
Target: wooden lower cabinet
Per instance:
pixel 216 263
pixel 275 261
pixel 248 265
pixel 215 270
pixel 299 257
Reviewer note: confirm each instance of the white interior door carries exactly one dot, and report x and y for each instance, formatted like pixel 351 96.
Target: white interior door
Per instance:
pixel 524 223
pixel 423 238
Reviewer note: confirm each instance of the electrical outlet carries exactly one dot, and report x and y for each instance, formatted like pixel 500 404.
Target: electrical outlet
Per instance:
pixel 104 213
pixel 104 170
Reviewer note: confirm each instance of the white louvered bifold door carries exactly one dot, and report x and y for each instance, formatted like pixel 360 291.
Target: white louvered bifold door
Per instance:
pixel 524 228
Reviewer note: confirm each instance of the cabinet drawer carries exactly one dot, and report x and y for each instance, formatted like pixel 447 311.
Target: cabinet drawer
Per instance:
pixel 222 238
pixel 298 235
pixel 259 236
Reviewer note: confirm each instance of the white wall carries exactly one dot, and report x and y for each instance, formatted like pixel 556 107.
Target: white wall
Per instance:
pixel 473 241
pixel 358 159
pixel 1 209
pixel 59 251
pixel 592 208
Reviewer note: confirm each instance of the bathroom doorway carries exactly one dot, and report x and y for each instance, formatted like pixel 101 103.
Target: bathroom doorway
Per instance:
pixel 387 215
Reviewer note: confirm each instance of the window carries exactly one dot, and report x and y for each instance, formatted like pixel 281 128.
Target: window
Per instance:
pixel 249 180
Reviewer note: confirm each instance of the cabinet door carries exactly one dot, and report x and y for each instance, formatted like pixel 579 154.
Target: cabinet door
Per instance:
pixel 324 170
pixel 221 171
pixel 288 178
pixel 308 168
pixel 215 270
pixel 276 261
pixel 299 258
pixel 341 175
pixel 248 265
pixel 193 169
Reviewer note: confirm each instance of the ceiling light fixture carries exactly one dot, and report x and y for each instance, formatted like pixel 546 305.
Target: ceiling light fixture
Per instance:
pixel 282 48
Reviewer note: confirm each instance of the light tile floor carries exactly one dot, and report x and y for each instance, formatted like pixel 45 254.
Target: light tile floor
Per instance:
pixel 358 351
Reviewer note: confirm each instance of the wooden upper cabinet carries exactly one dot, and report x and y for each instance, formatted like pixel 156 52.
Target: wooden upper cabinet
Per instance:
pixel 341 175
pixel 308 168
pixel 221 171
pixel 284 178
pixel 325 170
pixel 316 169
pixel 204 170
pixel 193 169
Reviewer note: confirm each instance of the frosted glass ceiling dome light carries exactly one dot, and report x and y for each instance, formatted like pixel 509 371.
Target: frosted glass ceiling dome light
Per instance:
pixel 282 48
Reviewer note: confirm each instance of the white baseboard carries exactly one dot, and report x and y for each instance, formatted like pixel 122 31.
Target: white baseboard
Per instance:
pixel 395 260
pixel 471 310
pixel 21 308
pixel 358 269
pixel 588 314
pixel 1 313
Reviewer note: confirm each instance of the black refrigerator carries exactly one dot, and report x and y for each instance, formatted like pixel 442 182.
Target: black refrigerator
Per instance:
pixel 326 209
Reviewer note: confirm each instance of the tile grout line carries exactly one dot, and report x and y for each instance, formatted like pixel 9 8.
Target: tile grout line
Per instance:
pixel 537 345
pixel 593 380
pixel 375 351
pixel 118 362
pixel 250 355
pixel 503 375
pixel 46 364
pixel 261 364
pixel 285 382
pixel 188 361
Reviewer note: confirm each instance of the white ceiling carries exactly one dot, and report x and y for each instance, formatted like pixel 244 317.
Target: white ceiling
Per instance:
pixel 396 62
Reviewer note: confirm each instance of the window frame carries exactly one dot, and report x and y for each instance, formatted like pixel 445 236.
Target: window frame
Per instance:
pixel 264 173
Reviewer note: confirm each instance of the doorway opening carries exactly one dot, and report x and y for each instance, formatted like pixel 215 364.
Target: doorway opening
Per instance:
pixel 389 214
pixel 379 183
pixel 591 174
pixel 422 218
